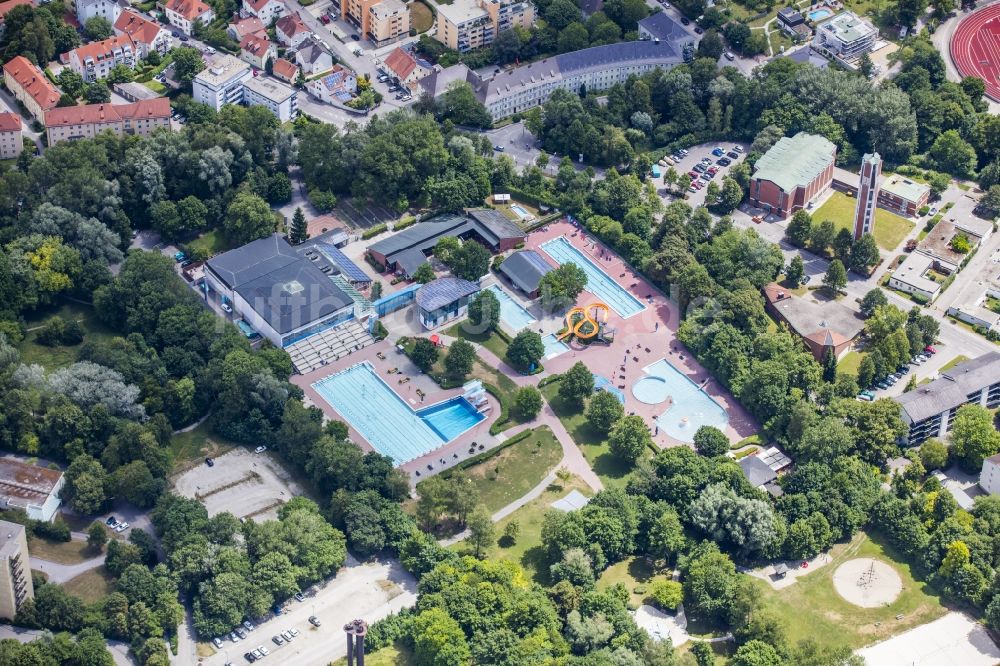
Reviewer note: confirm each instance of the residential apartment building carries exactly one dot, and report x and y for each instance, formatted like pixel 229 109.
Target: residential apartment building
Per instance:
pixel 291 30
pixel 266 10
pixel 845 37
pixel 11 141
pixel 107 9
pixel 903 196
pixel 472 24
pixel 280 99
pixel 68 123
pixel 989 477
pixel 185 13
pixel 929 410
pixel 388 22
pixel 145 34
pixel 94 61
pixel 15 569
pixel 256 50
pixel 792 173
pixel 30 488
pixel 29 86
pixel 221 82
pixel 240 28
pixel 340 85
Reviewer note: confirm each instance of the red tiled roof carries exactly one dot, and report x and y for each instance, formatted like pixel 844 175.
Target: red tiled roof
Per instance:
pixel 257 5
pixel 10 4
pixel 291 24
pixel 286 70
pixel 33 81
pixel 10 122
pixel 248 26
pixel 139 29
pixel 189 9
pixel 158 107
pixel 102 49
pixel 401 63
pixel 255 45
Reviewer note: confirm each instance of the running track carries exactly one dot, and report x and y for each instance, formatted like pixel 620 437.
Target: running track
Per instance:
pixel 975 48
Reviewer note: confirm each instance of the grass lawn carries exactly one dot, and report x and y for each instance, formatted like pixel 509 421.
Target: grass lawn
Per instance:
pixel 890 229
pixel 527 550
pixel 491 340
pixel 63 552
pixel 190 448
pixel 850 363
pixel 394 655
pixel 421 17
pixel 812 608
pixel 961 358
pixel 613 472
pixel 208 244
pixel 632 573
pixel 155 86
pixel 513 471
pixel 91 585
pixel 60 356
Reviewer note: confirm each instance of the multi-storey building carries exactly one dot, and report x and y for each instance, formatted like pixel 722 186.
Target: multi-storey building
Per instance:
pixel 68 123
pixel 185 13
pixel 11 141
pixel 30 87
pixel 256 50
pixel 30 488
pixel 107 9
pixel 845 37
pixel 929 410
pixel 266 10
pixel 145 34
pixel 472 24
pixel 15 570
pixel 388 21
pixel 95 61
pixel 903 196
pixel 792 173
pixel 280 99
pixel 221 82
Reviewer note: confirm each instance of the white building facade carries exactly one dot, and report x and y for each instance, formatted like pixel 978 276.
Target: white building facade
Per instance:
pixel 221 82
pixel 280 99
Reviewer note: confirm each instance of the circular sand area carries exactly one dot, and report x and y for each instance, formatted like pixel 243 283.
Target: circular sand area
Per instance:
pixel 867 582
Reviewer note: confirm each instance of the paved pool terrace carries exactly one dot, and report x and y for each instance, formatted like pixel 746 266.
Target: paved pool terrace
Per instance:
pixel 653 329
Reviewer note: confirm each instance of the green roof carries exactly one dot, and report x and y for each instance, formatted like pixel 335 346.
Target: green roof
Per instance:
pixel 795 161
pixel 904 188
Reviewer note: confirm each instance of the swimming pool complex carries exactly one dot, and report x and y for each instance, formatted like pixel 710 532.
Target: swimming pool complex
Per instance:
pixel 384 419
pixel 819 14
pixel 519 211
pixel 690 408
pixel 599 283
pixel 511 312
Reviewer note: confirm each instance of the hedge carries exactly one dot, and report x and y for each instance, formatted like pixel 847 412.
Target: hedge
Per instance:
pixel 486 455
pixel 374 231
pixel 408 221
pixel 501 423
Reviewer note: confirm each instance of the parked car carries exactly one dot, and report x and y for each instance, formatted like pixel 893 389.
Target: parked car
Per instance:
pixel 738 149
pixel 685 20
pixel 247 623
pixel 257 653
pixel 683 152
pixel 314 621
pixel 355 37
pixel 718 152
pixel 713 170
pixel 705 177
pixel 700 168
pixel 249 657
pixel 121 527
pixel 930 350
pixel 724 161
pixel 299 596
pixel 179 256
pixel 883 385
pixel 698 30
pixel 263 650
pixel 217 642
pixel 241 632
pixel 293 631
pixel 259 449
pixel 286 634
pixel 729 56
pixel 733 155
pixel 227 308
pixel 497 147
pixel 278 640
pixel 692 189
pixel 211 463
pixel 693 174
pixel 932 211
pixel 865 397
pixel 111 521
pixel 233 637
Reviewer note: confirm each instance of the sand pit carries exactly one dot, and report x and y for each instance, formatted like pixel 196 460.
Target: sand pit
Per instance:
pixel 867 582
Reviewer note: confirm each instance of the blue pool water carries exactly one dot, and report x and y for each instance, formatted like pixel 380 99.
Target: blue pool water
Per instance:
pixel 553 347
pixel 511 311
pixel 818 14
pixel 599 283
pixel 519 211
pixel 689 402
pixel 389 424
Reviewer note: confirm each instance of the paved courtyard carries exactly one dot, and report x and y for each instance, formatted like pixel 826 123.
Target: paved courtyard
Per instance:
pixel 953 640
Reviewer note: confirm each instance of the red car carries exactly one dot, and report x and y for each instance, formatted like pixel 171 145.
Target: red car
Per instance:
pixel 693 174
pixel 324 19
pixel 713 170
pixel 930 350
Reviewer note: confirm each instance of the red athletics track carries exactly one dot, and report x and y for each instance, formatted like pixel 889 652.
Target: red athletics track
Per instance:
pixel 975 48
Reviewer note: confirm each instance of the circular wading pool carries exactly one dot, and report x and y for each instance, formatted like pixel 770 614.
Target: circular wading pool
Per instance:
pixel 651 390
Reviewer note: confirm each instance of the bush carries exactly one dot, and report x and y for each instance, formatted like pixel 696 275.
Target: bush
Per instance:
pixel 408 221
pixel 373 231
pixel 380 331
pixel 923 210
pixel 59 331
pixel 666 594
pixel 527 402
pixel 51 531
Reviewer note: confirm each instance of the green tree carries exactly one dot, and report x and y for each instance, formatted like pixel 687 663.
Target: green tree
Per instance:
pixel 248 218
pixel 511 531
pixel 96 92
pixel 866 371
pixel 835 278
pixel 525 350
pixel 460 105
pixel 576 384
pixel 482 532
pixel 527 402
pixel 299 231
pixel 865 65
pixel 730 196
pixel 97 535
pixel 187 63
pixel 560 287
pixel 484 311
pixel 604 410
pixel 874 299
pixel 458 362
pixel 756 653
pixel 97 28
pixel 933 454
pixel 573 38
pixel 795 271
pixel 666 594
pixel 951 153
pixel 424 273
pixel 710 442
pixel 973 437
pixel 629 437
pixel 799 229
pixel 439 640
pixel 470 262
pixel 424 354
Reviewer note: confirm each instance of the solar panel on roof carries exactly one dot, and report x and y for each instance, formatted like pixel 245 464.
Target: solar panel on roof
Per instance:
pixel 346 266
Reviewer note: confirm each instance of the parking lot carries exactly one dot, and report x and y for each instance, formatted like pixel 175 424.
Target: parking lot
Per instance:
pixel 369 591
pixel 246 484
pixel 695 156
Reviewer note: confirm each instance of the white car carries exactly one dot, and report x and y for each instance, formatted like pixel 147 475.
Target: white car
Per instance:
pixel 217 642
pixel 121 527
pixel 263 650
pixel 260 449
pixel 226 307
pixel 293 631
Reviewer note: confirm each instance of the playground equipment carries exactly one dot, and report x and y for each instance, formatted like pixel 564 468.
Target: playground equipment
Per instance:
pixel 583 325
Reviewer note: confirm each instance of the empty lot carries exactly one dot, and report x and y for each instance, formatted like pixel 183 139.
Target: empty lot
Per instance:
pixel 247 485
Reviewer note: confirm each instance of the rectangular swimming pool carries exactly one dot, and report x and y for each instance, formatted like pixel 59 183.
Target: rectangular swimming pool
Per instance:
pixel 511 312
pixel 520 211
pixel 818 14
pixel 387 422
pixel 599 283
pixel 553 346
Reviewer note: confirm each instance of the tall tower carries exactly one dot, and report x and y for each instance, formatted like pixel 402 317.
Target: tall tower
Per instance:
pixel 15 572
pixel 864 214
pixel 356 631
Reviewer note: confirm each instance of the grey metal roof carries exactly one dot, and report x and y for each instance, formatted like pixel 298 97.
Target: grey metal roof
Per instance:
pixel 664 28
pixel 409 260
pixel 757 471
pixel 952 388
pixel 286 289
pixel 444 291
pixel 525 269
pixel 494 225
pixel 437 82
pixel 490 225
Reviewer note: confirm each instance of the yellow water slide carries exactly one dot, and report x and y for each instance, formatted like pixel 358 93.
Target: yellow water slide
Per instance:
pixel 576 329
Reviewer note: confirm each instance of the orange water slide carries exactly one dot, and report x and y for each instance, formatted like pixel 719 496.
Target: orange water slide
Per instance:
pixel 600 309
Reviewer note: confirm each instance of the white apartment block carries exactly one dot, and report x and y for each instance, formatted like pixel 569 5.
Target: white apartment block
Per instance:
pixel 846 36
pixel 221 82
pixel 280 99
pixel 95 61
pixel 185 13
pixel 88 9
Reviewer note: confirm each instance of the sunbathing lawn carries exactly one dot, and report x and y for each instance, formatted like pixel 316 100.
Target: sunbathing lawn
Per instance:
pixel 811 607
pixel 890 229
pixel 527 550
pixel 850 363
pixel 508 475
pixel 63 552
pixel 632 572
pixel 60 356
pixel 421 17
pixel 491 340
pixel 208 244
pixel 91 585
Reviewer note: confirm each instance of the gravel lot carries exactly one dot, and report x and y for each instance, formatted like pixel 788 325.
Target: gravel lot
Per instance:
pixel 948 641
pixel 246 484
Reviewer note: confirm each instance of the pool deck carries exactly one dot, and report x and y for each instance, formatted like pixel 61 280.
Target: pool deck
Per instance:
pixel 479 433
pixel 640 340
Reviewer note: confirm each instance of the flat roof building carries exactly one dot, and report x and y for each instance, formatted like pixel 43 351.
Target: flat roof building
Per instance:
pixel 911 277
pixel 472 24
pixel 929 410
pixel 903 196
pixel 30 488
pixel 525 269
pixel 280 99
pixel 792 173
pixel 822 326
pixel 15 569
pixel 443 300
pixel 221 82
pixel 845 37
